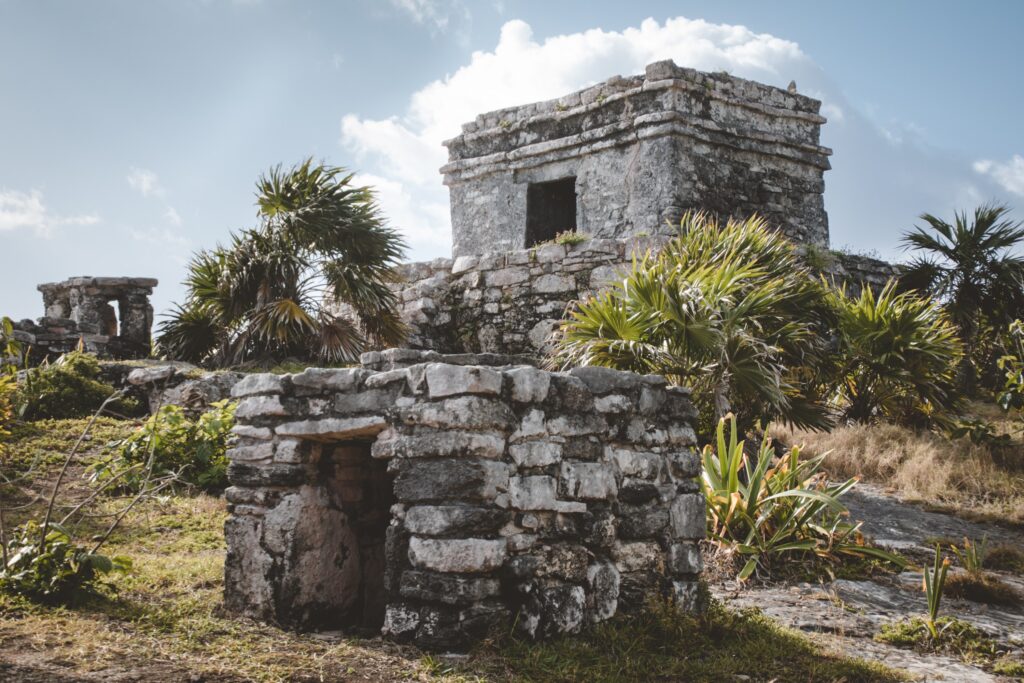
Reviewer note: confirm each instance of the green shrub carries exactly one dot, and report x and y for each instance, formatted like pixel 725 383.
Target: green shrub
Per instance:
pixel 68 388
pixel 727 309
pixel 766 507
pixel 195 450
pixel 896 359
pixel 1011 397
pixel 8 391
pixel 55 571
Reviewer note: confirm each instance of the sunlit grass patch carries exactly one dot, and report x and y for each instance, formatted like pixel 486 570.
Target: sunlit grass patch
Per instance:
pixel 955 636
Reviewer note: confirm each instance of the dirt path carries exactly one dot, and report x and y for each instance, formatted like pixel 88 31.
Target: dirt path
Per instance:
pixel 847 614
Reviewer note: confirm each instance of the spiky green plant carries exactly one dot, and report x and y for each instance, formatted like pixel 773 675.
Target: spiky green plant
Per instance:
pixel 725 308
pixel 268 294
pixel 896 357
pixel 934 582
pixel 972 557
pixel 771 506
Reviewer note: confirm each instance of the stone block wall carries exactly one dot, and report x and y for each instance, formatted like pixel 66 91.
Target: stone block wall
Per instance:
pixel 509 302
pixel 512 302
pixel 437 497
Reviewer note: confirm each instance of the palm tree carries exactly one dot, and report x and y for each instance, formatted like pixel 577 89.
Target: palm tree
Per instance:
pixel 727 309
pixel 970 268
pixel 895 358
pixel 277 290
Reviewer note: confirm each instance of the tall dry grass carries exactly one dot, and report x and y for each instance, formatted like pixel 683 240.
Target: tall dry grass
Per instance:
pixel 920 466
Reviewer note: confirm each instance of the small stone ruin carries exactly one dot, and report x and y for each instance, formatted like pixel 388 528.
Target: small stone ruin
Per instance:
pixel 434 498
pixel 81 310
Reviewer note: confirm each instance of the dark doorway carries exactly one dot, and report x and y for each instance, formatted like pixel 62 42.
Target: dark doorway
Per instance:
pixel 361 488
pixel 550 209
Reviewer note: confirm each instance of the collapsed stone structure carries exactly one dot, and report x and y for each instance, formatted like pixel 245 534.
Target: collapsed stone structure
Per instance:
pixel 628 156
pixel 78 310
pixel 436 497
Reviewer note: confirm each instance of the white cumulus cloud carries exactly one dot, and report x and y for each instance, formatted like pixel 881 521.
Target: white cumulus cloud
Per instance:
pixel 27 210
pixel 878 188
pixel 1009 174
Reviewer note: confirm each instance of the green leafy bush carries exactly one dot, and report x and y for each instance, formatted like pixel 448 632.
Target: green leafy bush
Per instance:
pixel 768 506
pixel 12 352
pixel 68 388
pixel 1011 397
pixel 725 308
pixel 896 359
pixel 195 450
pixel 56 570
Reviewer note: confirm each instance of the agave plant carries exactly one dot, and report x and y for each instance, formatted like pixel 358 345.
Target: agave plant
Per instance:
pixel 725 308
pixel 766 507
pixel 897 357
pixel 276 290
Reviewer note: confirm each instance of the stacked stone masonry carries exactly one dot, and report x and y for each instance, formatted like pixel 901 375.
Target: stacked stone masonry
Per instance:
pixel 439 497
pixel 636 153
pixel 80 311
pixel 512 302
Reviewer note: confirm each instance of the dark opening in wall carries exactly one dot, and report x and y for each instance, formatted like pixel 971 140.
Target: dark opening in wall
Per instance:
pixel 360 491
pixel 550 209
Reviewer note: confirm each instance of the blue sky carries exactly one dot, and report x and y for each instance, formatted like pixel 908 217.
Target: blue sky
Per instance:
pixel 132 133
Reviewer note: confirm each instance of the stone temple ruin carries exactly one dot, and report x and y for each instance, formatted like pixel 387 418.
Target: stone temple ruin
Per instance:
pixel 438 497
pixel 628 156
pixel 437 492
pixel 80 311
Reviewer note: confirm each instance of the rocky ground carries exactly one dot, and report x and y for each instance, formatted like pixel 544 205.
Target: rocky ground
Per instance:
pixel 848 613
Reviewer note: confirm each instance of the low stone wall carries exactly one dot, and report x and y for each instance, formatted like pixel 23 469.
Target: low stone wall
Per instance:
pixel 512 302
pixel 508 302
pixel 436 498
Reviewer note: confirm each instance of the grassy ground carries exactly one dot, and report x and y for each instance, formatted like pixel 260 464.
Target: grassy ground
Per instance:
pixel 164 621
pixel 952 475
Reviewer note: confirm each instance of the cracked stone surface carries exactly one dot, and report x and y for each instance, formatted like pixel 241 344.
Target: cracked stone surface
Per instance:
pixel 847 614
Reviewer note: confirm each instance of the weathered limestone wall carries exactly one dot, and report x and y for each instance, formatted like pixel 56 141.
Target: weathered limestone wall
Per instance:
pixel 512 302
pixel 436 498
pixel 643 150
pixel 857 270
pixel 507 302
